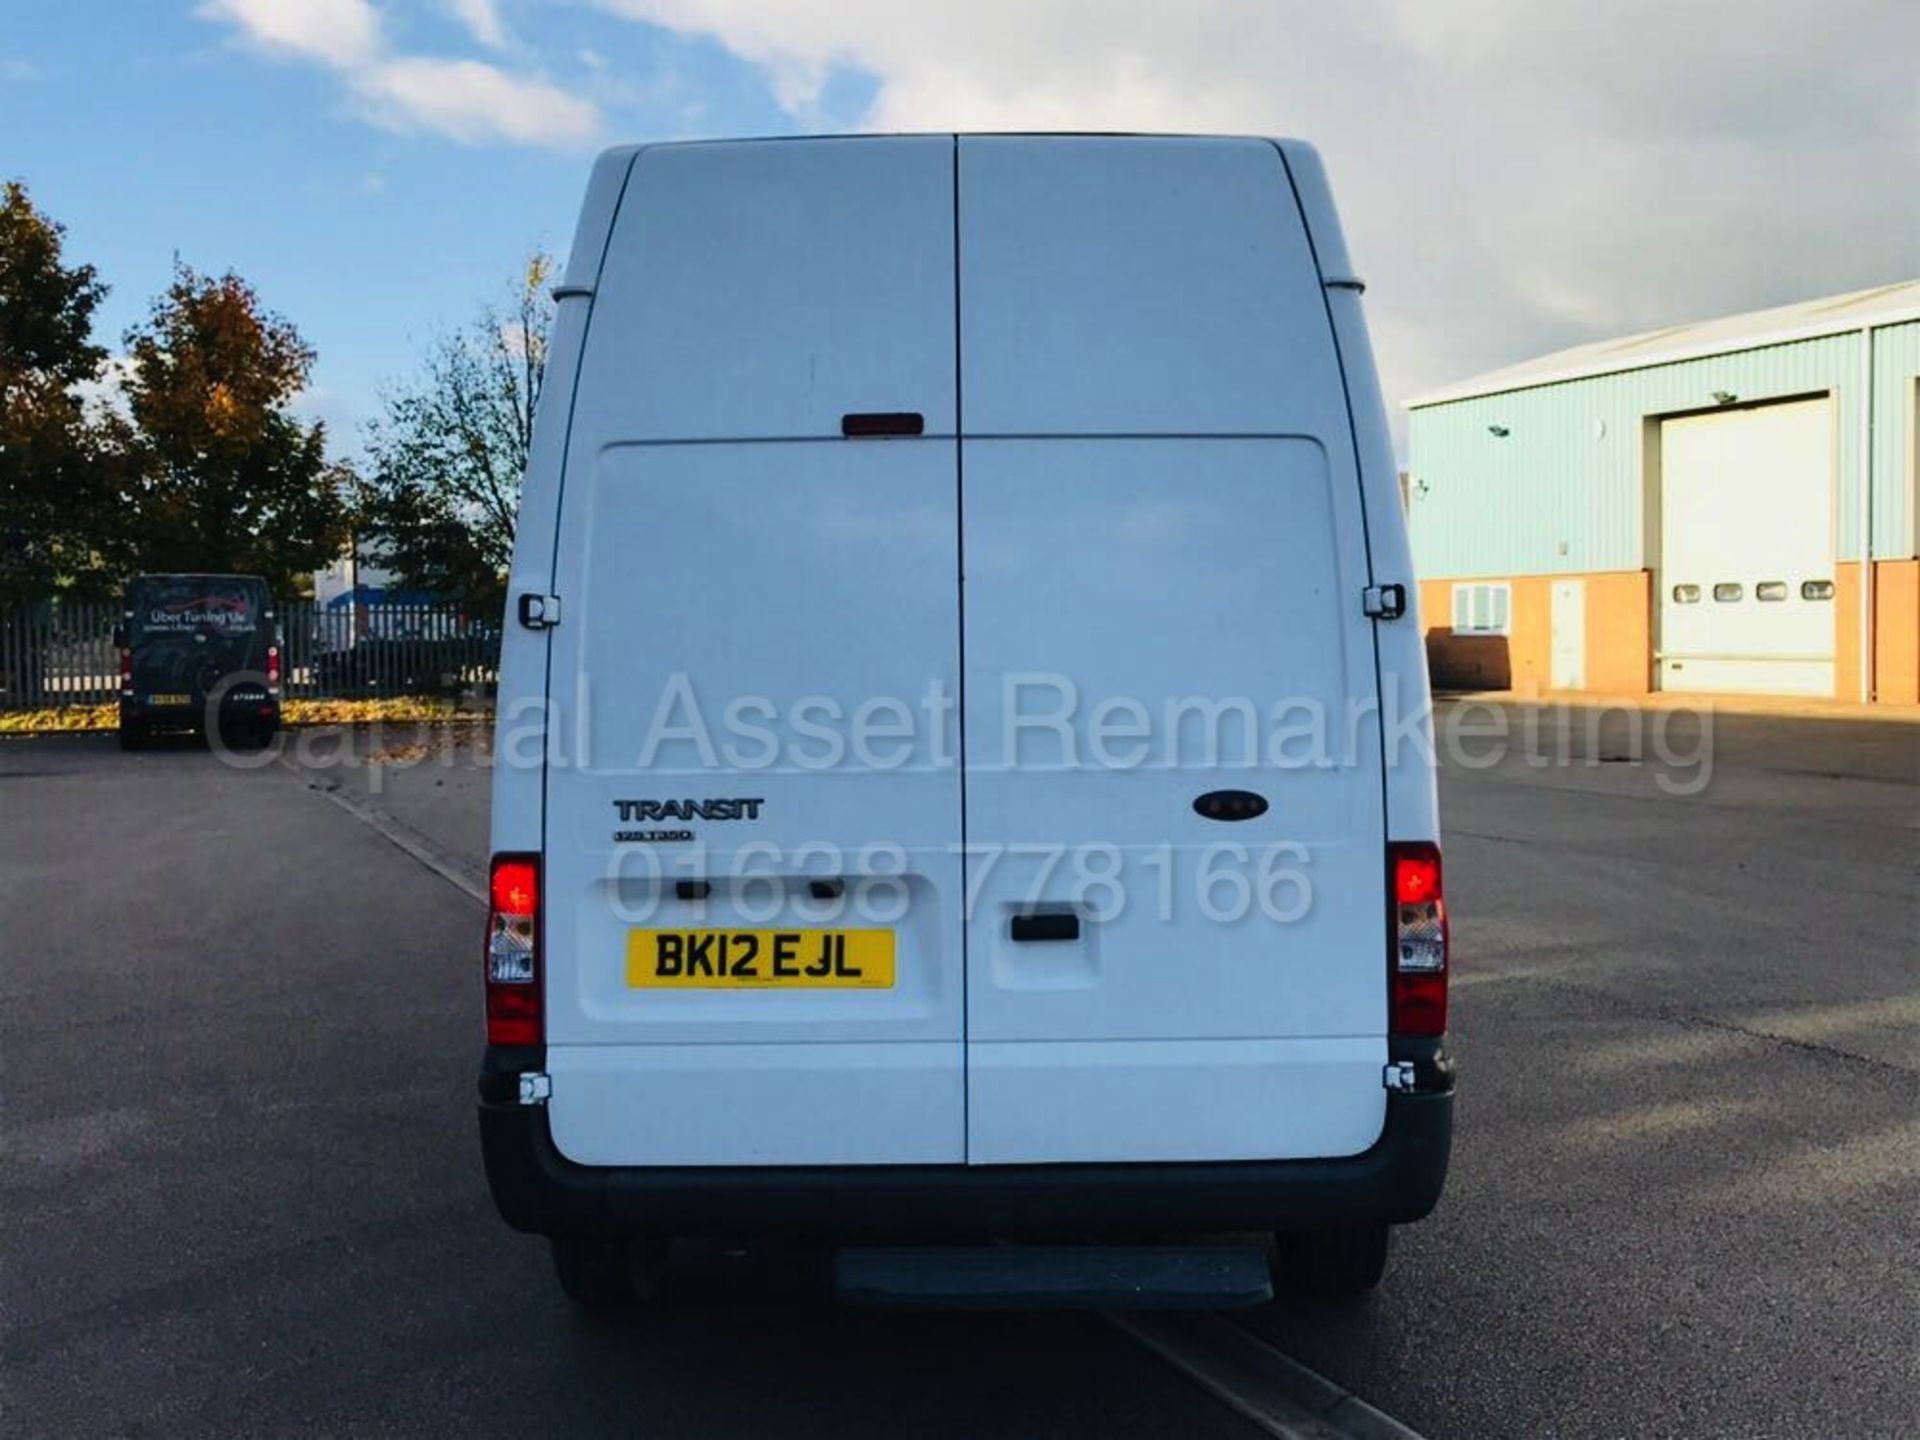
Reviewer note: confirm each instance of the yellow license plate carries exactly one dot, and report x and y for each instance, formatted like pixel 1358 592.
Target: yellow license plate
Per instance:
pixel 169 699
pixel 760 959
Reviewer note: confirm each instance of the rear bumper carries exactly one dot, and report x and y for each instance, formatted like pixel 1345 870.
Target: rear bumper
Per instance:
pixel 537 1189
pixel 251 708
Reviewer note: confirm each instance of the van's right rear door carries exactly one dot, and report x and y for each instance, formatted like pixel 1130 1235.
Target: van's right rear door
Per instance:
pixel 1164 558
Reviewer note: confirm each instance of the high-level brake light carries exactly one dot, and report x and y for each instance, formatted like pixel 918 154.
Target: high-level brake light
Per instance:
pixel 513 951
pixel 1417 968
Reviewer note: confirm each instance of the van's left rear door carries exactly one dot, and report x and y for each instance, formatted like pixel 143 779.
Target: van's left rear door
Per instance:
pixel 751 605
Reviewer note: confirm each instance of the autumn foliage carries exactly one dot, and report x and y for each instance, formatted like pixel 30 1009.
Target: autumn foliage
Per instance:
pixel 225 477
pixel 183 455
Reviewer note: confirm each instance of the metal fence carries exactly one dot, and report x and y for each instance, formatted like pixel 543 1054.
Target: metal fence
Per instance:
pixel 61 652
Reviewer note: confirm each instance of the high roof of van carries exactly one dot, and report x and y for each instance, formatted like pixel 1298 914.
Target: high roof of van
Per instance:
pixel 611 169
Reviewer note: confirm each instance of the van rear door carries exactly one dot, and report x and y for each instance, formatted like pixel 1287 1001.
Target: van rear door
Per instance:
pixel 747 595
pixel 1165 552
pixel 187 633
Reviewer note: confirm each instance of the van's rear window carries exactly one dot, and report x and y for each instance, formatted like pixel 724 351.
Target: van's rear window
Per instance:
pixel 189 605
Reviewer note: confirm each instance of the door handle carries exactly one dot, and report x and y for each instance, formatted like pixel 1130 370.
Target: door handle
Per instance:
pixel 1046 927
pixel 870 424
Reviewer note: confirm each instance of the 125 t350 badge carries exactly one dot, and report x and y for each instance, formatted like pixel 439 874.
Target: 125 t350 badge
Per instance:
pixel 631 811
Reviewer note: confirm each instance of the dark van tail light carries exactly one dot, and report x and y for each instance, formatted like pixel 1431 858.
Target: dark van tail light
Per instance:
pixel 273 669
pixel 513 951
pixel 126 671
pixel 1417 969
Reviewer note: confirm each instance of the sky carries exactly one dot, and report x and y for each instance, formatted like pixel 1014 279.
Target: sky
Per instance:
pixel 1514 175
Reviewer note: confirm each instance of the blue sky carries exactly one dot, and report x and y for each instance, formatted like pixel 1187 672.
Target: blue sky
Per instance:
pixel 1514 175
pixel 149 130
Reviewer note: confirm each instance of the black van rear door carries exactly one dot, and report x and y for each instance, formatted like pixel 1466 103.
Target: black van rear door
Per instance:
pixel 188 632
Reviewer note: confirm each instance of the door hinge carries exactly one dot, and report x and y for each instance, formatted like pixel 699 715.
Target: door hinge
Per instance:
pixel 1398 1076
pixel 1384 602
pixel 539 612
pixel 536 1087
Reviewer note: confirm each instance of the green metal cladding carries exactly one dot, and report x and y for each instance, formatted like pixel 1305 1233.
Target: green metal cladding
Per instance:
pixel 1560 491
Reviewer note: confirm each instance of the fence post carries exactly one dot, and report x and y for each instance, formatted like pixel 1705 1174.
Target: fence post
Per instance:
pixel 59 651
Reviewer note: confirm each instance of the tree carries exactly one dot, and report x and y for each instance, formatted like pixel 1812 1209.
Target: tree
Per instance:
pixel 226 477
pixel 57 463
pixel 447 456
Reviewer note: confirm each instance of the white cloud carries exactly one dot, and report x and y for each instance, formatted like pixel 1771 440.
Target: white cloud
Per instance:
pixel 1514 175
pixel 471 101
pixel 342 33
pixel 482 19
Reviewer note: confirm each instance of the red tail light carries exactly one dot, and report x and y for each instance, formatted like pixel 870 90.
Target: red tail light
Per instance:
pixel 126 669
pixel 273 667
pixel 513 951
pixel 1417 968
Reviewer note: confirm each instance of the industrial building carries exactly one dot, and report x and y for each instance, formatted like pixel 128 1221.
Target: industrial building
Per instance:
pixel 1682 510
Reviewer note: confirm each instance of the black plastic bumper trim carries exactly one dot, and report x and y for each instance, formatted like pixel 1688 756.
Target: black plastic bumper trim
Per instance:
pixel 538 1190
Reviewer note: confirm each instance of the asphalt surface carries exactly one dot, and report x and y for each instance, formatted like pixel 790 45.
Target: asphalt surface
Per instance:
pixel 242 1190
pixel 242 1194
pixel 1683 1195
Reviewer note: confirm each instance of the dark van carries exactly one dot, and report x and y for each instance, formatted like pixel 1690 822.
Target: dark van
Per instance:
pixel 198 652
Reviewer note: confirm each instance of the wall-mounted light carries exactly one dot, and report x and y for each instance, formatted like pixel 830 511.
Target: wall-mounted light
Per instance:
pixel 1724 397
pixel 1499 432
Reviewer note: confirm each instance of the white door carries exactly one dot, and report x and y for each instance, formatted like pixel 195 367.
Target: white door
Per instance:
pixel 1746 553
pixel 742 586
pixel 1568 660
pixel 1164 558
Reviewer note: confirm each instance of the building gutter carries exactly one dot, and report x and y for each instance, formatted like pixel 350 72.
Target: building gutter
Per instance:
pixel 1501 382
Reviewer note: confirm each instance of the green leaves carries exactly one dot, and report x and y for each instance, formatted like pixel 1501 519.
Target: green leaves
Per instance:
pixel 448 454
pixel 56 499
pixel 46 307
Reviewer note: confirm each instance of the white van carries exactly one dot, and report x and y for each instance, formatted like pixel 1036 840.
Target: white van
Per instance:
pixel 963 766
